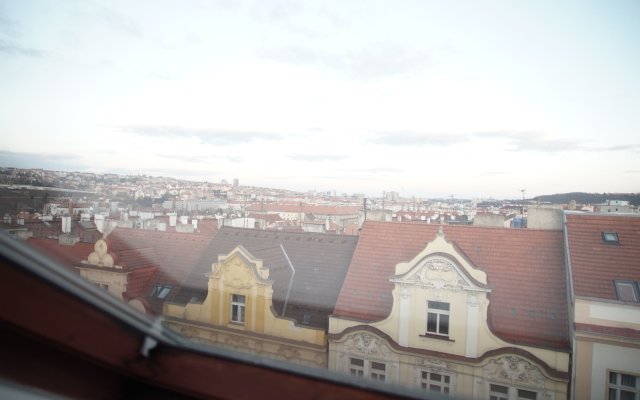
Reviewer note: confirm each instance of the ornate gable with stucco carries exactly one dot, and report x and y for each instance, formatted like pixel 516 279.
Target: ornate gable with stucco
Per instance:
pixel 238 313
pixel 438 336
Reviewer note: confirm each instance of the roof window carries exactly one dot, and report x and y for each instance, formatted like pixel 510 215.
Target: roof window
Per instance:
pixel 610 237
pixel 628 291
pixel 161 291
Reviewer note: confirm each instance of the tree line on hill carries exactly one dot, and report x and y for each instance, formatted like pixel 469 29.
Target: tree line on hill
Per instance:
pixel 588 198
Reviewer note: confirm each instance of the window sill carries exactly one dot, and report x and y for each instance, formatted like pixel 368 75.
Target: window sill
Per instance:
pixel 436 336
pixel 235 324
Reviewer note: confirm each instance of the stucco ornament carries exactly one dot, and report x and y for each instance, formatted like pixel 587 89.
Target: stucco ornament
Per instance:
pixel 236 276
pixel 366 344
pixel 438 273
pixel 515 370
pixel 436 365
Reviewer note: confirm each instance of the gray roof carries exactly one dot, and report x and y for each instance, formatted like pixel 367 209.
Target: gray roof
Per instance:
pixel 320 262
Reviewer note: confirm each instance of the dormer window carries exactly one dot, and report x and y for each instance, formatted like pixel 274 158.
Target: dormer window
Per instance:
pixel 628 291
pixel 610 237
pixel 438 318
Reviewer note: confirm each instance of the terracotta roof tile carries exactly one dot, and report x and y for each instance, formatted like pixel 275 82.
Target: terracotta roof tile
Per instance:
pixel 525 270
pixel 173 254
pixel 68 256
pixel 596 264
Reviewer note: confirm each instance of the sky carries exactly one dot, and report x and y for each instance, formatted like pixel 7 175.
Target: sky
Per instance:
pixel 427 98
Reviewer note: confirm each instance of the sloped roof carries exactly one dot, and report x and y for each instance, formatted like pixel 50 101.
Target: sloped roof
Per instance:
pixel 174 255
pixel 596 264
pixel 320 261
pixel 68 256
pixel 524 267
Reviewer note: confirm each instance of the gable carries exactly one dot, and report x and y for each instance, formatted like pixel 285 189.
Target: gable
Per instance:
pixel 524 271
pixel 239 270
pixel 441 266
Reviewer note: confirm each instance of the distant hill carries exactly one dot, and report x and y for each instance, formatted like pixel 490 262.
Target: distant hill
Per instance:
pixel 588 198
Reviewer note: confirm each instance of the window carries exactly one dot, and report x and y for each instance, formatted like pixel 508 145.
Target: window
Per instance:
pixel 500 392
pixel 526 395
pixel 435 382
pixel 237 308
pixel 378 371
pixel 623 386
pixel 161 291
pixel 102 286
pixel 438 318
pixel 356 367
pixel 627 291
pixel 372 369
pixel 610 237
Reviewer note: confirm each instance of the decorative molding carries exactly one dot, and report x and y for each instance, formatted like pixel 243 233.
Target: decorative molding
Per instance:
pixel 366 344
pixel 514 370
pixel 435 365
pixel 438 273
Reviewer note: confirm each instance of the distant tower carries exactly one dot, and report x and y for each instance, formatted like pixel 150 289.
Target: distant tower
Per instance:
pixel 236 182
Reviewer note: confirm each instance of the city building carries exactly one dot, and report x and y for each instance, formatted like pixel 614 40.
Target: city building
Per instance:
pixel 141 267
pixel 603 260
pixel 265 292
pixel 465 311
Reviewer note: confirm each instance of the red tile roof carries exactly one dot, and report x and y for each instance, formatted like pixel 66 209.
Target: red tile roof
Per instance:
pixel 68 256
pixel 596 264
pixel 173 254
pixel 525 270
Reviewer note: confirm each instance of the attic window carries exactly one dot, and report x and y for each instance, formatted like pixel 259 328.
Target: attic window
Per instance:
pixel 306 318
pixel 627 291
pixel 610 237
pixel 161 291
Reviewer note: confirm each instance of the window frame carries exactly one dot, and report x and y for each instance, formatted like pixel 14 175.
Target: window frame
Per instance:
pixel 445 383
pixel 512 392
pixel 610 237
pixel 241 316
pixel 438 312
pixel 368 369
pixel 161 291
pixel 635 286
pixel 618 387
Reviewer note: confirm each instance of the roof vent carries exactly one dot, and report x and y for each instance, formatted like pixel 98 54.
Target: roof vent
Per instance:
pixel 610 237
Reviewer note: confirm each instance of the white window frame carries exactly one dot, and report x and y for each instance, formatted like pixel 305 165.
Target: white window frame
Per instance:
pixel 238 302
pixel 618 387
pixel 438 315
pixel 427 381
pixel 370 369
pixel 513 393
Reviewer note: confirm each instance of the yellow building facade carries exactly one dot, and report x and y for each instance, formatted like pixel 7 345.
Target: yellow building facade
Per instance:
pixel 238 313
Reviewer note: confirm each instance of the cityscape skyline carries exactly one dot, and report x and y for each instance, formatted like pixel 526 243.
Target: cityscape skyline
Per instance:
pixel 425 99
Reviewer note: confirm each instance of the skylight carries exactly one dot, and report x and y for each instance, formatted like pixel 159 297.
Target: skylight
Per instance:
pixel 627 291
pixel 161 291
pixel 610 237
